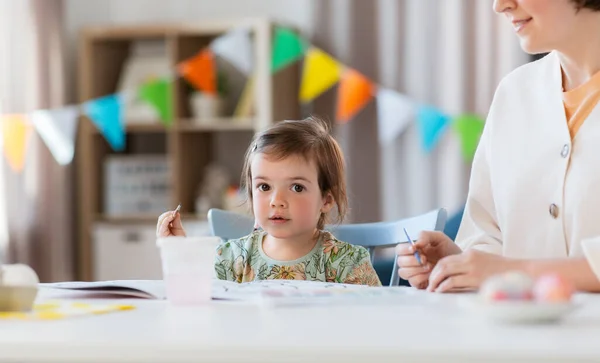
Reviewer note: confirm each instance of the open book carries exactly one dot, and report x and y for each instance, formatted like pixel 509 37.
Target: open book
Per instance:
pixel 269 291
pixel 147 289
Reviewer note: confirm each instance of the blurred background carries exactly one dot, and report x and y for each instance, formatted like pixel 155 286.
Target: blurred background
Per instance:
pixel 115 111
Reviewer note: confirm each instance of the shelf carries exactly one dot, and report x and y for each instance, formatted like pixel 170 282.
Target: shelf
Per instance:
pixel 191 125
pixel 189 144
pixel 217 124
pixel 141 127
pixel 126 219
pixel 143 218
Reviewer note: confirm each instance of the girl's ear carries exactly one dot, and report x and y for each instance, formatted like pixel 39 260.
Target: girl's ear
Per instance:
pixel 328 203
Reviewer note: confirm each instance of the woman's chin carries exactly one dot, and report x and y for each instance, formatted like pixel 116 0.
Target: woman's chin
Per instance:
pixel 533 48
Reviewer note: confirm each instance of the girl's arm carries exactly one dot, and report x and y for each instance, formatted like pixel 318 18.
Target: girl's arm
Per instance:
pixel 355 267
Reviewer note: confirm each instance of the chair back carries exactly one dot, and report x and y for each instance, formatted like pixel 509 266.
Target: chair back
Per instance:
pixel 230 225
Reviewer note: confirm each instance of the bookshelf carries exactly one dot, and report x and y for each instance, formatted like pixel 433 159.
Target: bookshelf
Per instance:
pixel 187 145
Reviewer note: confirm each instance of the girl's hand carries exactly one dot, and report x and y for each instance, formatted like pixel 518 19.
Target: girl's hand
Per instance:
pixel 169 224
pixel 432 247
pixel 467 271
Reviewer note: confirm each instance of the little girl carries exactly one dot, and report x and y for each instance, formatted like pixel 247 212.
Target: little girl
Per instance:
pixel 294 177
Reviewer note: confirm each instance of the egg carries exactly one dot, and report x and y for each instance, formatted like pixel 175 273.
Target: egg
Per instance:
pixel 552 288
pixel 507 286
pixel 18 275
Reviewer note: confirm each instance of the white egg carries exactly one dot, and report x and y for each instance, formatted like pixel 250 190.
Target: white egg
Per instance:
pixel 18 275
pixel 507 286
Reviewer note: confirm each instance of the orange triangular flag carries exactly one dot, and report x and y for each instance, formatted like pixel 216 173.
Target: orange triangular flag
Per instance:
pixel 200 71
pixel 15 137
pixel 354 92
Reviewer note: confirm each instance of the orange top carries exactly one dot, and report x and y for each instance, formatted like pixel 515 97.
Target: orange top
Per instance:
pixel 580 101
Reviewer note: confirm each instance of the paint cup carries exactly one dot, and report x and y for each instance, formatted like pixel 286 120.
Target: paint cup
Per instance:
pixel 188 268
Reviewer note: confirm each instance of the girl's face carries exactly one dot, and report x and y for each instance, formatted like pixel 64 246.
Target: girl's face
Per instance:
pixel 286 198
pixel 542 25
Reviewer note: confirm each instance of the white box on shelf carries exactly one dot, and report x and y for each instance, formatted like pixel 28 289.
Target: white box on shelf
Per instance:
pixel 125 252
pixel 135 185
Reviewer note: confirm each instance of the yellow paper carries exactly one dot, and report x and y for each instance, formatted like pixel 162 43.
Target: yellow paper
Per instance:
pixel 57 310
pixel 15 135
pixel 320 73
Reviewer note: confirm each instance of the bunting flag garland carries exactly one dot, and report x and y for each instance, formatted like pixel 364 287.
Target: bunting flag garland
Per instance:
pixel 394 113
pixel 355 91
pixel 158 94
pixel 469 129
pixel 320 73
pixel 201 71
pixel 235 47
pixel 58 129
pixel 432 123
pixel 16 132
pixel 106 114
pixel 287 48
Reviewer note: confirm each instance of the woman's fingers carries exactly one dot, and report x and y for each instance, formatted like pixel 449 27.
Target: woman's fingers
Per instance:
pixel 457 283
pixel 405 261
pixel 419 281
pixel 447 267
pixel 410 272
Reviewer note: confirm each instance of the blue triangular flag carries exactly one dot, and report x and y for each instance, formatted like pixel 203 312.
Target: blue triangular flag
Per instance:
pixel 432 123
pixel 106 114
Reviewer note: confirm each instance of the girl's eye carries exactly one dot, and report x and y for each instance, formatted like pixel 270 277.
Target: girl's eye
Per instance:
pixel 263 187
pixel 297 188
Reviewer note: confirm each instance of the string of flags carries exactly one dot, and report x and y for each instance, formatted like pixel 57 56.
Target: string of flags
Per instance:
pixel 395 111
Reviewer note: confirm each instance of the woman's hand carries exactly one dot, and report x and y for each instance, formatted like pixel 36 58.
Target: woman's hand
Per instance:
pixel 432 246
pixel 169 224
pixel 467 271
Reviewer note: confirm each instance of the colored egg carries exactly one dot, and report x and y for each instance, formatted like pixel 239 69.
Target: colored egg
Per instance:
pixel 508 286
pixel 552 288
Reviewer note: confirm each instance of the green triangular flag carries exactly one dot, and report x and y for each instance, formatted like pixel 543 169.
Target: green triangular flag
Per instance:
pixel 469 128
pixel 287 48
pixel 158 94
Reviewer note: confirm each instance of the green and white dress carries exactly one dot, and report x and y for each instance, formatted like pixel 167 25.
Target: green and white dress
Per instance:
pixel 331 260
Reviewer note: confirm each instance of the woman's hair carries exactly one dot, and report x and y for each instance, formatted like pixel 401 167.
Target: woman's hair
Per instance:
pixel 310 139
pixel 587 4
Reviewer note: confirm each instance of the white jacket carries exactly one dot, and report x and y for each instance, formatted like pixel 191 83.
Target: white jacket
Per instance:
pixel 533 193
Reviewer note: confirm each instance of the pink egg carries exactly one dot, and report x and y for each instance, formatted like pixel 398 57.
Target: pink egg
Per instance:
pixel 552 288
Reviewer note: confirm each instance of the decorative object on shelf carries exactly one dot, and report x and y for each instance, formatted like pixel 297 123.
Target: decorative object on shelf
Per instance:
pixel 206 107
pixel 148 62
pixel 136 185
pixel 212 189
pixel 235 200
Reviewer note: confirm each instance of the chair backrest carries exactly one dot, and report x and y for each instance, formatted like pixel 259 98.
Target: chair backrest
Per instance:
pixel 229 225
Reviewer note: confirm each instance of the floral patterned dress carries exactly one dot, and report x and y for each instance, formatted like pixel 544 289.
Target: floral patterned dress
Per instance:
pixel 331 260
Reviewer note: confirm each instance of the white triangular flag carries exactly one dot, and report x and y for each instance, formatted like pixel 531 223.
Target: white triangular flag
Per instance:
pixel 235 46
pixel 58 129
pixel 394 113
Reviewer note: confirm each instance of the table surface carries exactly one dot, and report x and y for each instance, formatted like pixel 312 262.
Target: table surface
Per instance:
pixel 416 327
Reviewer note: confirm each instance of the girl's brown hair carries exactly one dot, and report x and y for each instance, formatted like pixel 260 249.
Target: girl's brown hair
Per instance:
pixel 311 139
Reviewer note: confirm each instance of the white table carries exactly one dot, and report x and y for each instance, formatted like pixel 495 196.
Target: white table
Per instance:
pixel 406 331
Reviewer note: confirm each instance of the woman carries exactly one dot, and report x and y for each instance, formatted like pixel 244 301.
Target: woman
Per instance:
pixel 535 183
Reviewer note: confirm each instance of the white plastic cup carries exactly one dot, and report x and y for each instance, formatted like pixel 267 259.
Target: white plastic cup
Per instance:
pixel 188 268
